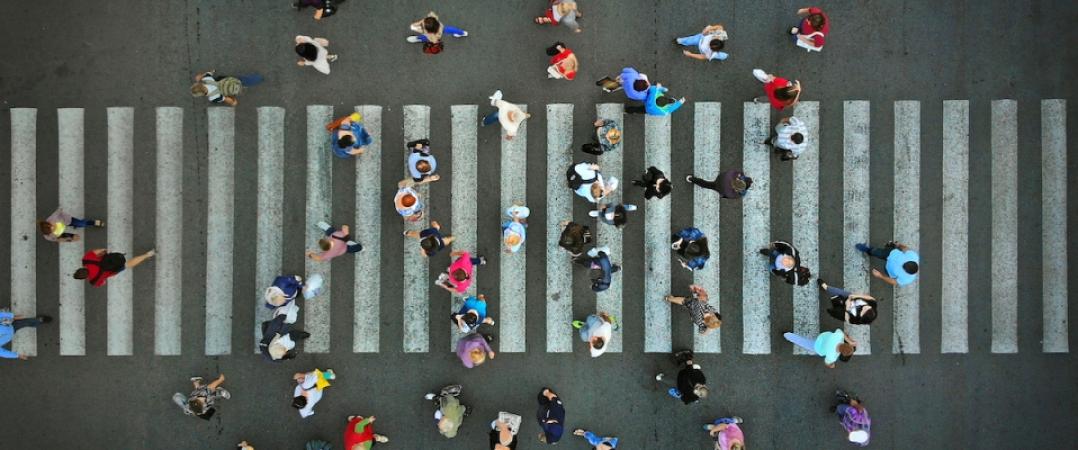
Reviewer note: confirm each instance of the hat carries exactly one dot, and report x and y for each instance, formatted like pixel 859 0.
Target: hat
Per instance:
pixel 859 436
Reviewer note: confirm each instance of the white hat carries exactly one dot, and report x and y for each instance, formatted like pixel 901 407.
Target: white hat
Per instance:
pixel 859 436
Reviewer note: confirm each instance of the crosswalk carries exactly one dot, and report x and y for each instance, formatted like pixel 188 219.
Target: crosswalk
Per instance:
pixel 754 310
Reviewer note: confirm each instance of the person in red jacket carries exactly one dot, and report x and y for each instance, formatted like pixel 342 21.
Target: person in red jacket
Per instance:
pixel 98 265
pixel 811 32
pixel 360 435
pixel 780 91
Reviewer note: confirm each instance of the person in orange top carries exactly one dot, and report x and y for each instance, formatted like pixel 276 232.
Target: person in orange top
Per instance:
pixel 360 435
pixel 563 62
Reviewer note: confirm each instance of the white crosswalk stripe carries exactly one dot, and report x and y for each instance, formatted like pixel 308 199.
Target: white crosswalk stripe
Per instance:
pixel 366 293
pixel 609 301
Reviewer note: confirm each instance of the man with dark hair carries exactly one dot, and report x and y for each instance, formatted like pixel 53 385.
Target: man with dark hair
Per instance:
pixel 654 182
pixel 789 138
pixel 472 314
pixel 98 265
pixel 902 263
pixel 551 416
pixel 431 239
pixel 691 384
pixel 710 41
pixel 634 83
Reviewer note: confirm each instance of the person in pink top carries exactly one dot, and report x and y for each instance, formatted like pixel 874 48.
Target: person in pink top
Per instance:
pixel 458 277
pixel 336 243
pixel 811 32
pixel 726 433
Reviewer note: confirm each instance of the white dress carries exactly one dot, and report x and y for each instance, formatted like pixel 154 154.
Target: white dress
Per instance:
pixel 321 63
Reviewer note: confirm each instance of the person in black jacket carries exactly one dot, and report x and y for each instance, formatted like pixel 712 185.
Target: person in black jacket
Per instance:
pixel 574 238
pixel 784 261
pixel 279 339
pixel 691 383
pixel 654 182
pixel 857 309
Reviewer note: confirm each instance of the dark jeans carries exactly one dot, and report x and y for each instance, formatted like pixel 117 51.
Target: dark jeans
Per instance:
pixel 635 109
pixel 31 322
pixel 881 252
pixel 713 185
pixel 491 118
pixel 81 223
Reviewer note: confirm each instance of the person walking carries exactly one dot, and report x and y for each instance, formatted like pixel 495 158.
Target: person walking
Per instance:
pixel 359 434
pixel 616 215
pixel 727 434
pixel 429 31
pixel 510 115
pixel 458 277
pixel 784 261
pixel 574 238
pixel 503 431
pixel 587 181
pixel 561 12
pixel 202 401
pixel 779 91
pixel 474 349
pixel 831 345
pixel 98 265
pixel 709 41
pixel 472 314
pixel 703 315
pixel 602 269
pixel 407 201
pixel 634 83
pixel 654 182
pixel 421 163
pixel 551 416
pixel 449 413
pixel 732 184
pixel 691 384
pixel 322 8
pixel 243 445
pixel 563 62
pixel 10 324
pixel 596 330
pixel 283 292
pixel 607 138
pixel 431 239
pixel 690 244
pixel 656 103
pixel 348 136
pixel 279 338
pixel 313 52
pixel 811 32
pixel 337 243
pixel 853 416
pixel 789 139
pixel 308 390
pixel 60 226
pixel 514 230
pixel 222 89
pixel 857 309
pixel 902 263
pixel 599 442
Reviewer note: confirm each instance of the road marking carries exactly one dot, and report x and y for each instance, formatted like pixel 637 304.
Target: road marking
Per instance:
pixel 319 208
pixel 168 282
pixel 706 158
pixel 465 197
pixel 1004 226
pixel 954 295
pixel 513 267
pixel 219 233
pixel 907 220
pixel 72 292
pixel 417 293
pixel 856 202
pixel 806 220
pixel 23 219
pixel 367 283
pixel 756 217
pixel 657 335
pixel 559 207
pixel 610 300
pixel 120 227
pixel 270 218
pixel 1054 219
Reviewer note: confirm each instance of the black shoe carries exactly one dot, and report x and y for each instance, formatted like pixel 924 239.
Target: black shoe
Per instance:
pixel 765 251
pixel 842 396
pixel 820 282
pixel 639 183
pixel 303 334
pixel 44 319
pixel 615 269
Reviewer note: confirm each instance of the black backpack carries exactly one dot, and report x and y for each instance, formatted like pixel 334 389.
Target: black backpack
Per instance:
pixel 575 180
pixel 113 262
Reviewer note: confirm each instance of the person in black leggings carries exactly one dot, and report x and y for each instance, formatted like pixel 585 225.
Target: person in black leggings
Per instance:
pixel 729 184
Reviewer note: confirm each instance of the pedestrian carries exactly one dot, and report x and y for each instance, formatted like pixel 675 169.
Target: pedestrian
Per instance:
pixel 421 163
pixel 407 200
pixel 634 83
pixel 709 41
pixel 431 239
pixel 317 444
pixel 599 442
pixel 853 416
pixel 702 313
pixel 726 433
pixel 588 182
pixel 359 434
pixel 731 184
pixel 429 30
pixel 472 314
pixel 458 277
pixel 656 103
pixel 831 345
pixel 690 244
pixel 202 401
pixel 654 182
pixel 510 115
pixel 902 263
pixel 812 31
pixel 616 215
pixel 308 390
pixel 779 91
pixel 789 139
pixel 284 291
pixel 574 238
pixel 602 269
pixel 449 413
pixel 785 262
pixel 348 136
pixel 60 226
pixel 10 324
pixel 514 230
pixel 322 8
pixel 607 138
pixel 596 330
pixel 243 445
pixel 561 12
pixel 503 431
pixel 222 89
pixel 563 62
pixel 691 384
pixel 313 52
pixel 551 416
pixel 279 338
pixel 336 243
pixel 857 309
pixel 474 349
pixel 98 265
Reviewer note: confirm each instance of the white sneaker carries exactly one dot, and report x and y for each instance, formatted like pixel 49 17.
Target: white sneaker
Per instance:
pixel 413 39
pixel 323 225
pixel 593 213
pixel 464 34
pixel 429 396
pixel 494 98
pixel 760 75
pixel 659 377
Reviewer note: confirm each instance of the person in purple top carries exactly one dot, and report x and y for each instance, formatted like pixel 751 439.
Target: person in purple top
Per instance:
pixel 853 416
pixel 729 184
pixel 474 350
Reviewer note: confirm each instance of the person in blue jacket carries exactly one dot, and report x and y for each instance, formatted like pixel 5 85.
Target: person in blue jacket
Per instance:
pixel 656 95
pixel 284 290
pixel 598 260
pixel 635 84
pixel 11 323
pixel 691 247
pixel 350 138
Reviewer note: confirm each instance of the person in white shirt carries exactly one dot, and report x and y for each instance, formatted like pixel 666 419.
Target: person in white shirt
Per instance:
pixel 510 115
pixel 313 52
pixel 308 391
pixel 790 138
pixel 595 187
pixel 597 330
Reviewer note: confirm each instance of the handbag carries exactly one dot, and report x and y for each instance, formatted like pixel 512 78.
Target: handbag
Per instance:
pixel 806 45
pixel 433 48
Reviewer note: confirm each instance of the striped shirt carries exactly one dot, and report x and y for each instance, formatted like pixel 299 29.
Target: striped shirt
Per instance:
pixel 786 130
pixel 697 309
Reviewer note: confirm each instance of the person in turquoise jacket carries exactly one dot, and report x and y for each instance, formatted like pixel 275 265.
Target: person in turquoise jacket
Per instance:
pixel 9 325
pixel 831 345
pixel 655 96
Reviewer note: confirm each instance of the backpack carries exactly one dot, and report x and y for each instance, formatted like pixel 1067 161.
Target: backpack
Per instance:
pixel 799 276
pixel 432 48
pixel 113 262
pixel 575 180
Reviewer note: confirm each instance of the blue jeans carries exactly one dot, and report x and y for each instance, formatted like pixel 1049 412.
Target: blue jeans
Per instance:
pixel 249 80
pixel 724 420
pixel 801 341
pixel 490 119
pixel 840 410
pixel 81 223
pixel 837 291
pixel 690 41
pixel 454 31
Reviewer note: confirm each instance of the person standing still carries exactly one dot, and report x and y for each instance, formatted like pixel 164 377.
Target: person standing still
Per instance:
pixel 10 324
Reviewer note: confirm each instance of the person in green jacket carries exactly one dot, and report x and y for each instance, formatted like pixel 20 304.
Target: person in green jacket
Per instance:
pixel 450 413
